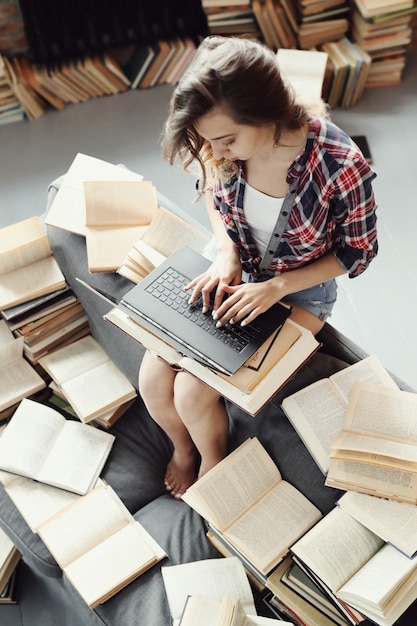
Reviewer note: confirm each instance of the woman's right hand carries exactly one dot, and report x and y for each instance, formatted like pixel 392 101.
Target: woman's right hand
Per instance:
pixel 225 270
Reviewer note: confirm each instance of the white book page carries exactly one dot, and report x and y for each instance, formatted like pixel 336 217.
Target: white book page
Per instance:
pixel 75 359
pixel 368 370
pixel 96 390
pixel 395 522
pixel 336 548
pixel 110 565
pixel 86 522
pixel 210 577
pixel 77 457
pixel 28 438
pixel 36 501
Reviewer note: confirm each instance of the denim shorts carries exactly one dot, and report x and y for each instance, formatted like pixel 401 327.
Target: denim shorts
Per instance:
pixel 318 300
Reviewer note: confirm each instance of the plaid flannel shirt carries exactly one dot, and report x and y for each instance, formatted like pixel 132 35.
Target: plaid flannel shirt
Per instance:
pixel 332 210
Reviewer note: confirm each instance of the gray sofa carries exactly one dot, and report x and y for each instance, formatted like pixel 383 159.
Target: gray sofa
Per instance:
pixel 135 468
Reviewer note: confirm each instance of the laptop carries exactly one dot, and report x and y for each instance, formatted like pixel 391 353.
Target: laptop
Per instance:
pixel 159 303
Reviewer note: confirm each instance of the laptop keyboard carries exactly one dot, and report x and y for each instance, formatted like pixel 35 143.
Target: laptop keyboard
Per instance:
pixel 169 289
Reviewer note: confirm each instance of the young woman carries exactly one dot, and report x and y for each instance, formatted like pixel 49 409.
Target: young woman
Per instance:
pixel 291 205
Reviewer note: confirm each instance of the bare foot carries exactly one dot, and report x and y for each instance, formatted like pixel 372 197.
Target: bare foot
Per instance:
pixel 180 474
pixel 205 466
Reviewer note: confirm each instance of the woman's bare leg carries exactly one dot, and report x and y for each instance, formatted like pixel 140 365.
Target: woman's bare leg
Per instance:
pixel 156 386
pixel 306 319
pixel 203 413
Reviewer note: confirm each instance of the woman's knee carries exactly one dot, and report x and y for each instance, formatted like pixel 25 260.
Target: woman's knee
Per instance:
pixel 192 397
pixel 156 380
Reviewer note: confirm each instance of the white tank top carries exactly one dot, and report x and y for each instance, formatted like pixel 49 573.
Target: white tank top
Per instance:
pixel 261 212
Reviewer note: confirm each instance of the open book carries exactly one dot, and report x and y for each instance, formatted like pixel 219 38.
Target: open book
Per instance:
pixel 117 214
pixel 245 500
pixel 264 382
pixel 166 233
pixel 206 611
pixel 395 522
pixel 358 567
pixel 376 452
pixel 212 578
pixel 99 545
pixel 88 378
pixel 67 210
pixel 27 267
pixel 317 411
pixel 40 443
pixel 18 379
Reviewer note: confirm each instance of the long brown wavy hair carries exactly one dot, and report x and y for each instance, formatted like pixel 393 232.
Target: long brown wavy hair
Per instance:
pixel 243 78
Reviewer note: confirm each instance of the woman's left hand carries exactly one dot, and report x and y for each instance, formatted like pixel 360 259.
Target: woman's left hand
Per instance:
pixel 246 301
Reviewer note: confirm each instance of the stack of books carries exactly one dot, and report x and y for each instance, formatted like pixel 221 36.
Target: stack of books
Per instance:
pixel 162 62
pixel 9 570
pixel 348 70
pixel 10 108
pixel 383 29
pixel 230 18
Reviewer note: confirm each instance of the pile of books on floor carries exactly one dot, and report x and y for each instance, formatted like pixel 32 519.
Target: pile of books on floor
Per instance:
pixel 355 562
pixel 231 18
pixel 45 335
pixel 384 30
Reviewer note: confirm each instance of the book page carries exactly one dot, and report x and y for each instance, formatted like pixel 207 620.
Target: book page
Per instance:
pixel 17 381
pixel 201 610
pixel 265 533
pixel 395 522
pixel 317 413
pixel 336 548
pixel 168 232
pixel 97 390
pixel 210 577
pixel 381 582
pixel 28 438
pixel 107 246
pixel 370 448
pixel 119 203
pixel 373 479
pixel 111 564
pixel 368 370
pixel 234 485
pixel 83 524
pixel 75 359
pixel 385 412
pixel 36 501
pixel 22 243
pixel 68 208
pixel 77 458
pixel 30 281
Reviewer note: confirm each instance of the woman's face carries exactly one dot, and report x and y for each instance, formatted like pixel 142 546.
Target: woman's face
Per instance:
pixel 233 141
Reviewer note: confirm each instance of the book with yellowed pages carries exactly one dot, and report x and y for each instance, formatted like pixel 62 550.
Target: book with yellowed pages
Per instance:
pixel 105 548
pixel 27 267
pixel 317 411
pixel 89 379
pixel 266 515
pixel 38 442
pixel 269 383
pixel 117 214
pixel 18 379
pixel 376 452
pixel 226 612
pixel 356 567
pixel 67 210
pixel 166 233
